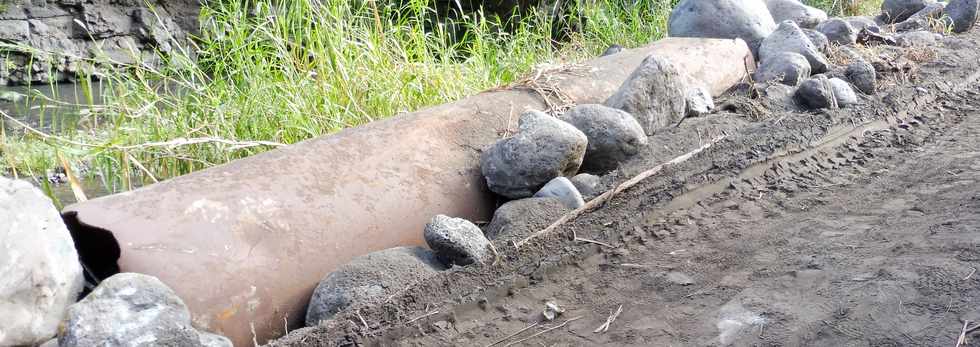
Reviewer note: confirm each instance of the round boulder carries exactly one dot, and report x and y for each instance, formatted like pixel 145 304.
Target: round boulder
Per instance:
pixel 130 309
pixel 863 75
pixel 923 19
pixel 816 93
pixel 698 102
pixel 543 148
pixel 587 184
pixel 788 37
pixel 838 31
pixel 456 241
pixel 779 97
pixel 519 218
pixel 784 67
pixel 41 272
pixel 962 14
pixel 613 135
pixel 793 10
pixel 819 40
pixel 895 11
pixel 748 20
pixel 562 189
pixel 863 23
pixel 919 38
pixel 654 94
pixel 370 278
pixel 843 92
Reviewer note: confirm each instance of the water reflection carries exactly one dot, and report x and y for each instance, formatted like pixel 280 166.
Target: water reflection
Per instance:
pixel 55 109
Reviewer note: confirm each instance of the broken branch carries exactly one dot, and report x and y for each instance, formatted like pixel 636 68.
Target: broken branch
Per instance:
pixel 612 318
pixel 542 332
pixel 599 201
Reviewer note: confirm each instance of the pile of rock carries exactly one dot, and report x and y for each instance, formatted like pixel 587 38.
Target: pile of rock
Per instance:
pixel 538 170
pixel 135 310
pixel 43 279
pixel 791 41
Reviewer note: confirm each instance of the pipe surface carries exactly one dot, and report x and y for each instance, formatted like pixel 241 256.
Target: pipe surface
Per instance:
pixel 245 243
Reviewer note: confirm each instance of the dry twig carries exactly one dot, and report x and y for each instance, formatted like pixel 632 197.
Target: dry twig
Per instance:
pixel 962 339
pixel 599 201
pixel 514 334
pixel 366 327
pixel 594 242
pixel 543 331
pixel 422 316
pixel 177 142
pixel 496 255
pixel 612 318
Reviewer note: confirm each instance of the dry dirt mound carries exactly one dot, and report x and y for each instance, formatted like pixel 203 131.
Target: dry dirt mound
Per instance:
pixel 857 226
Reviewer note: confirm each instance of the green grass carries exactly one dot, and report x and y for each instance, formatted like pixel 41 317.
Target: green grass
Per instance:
pixel 847 7
pixel 282 71
pixel 288 70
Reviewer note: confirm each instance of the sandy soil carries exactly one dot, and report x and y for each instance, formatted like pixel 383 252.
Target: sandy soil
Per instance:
pixel 855 227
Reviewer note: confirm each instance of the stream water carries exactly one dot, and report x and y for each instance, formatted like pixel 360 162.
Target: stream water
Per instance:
pixel 53 109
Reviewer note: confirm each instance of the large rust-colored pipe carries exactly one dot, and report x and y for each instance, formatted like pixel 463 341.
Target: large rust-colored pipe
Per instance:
pixel 244 244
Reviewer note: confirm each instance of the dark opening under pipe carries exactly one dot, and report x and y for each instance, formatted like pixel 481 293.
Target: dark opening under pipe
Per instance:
pixel 245 243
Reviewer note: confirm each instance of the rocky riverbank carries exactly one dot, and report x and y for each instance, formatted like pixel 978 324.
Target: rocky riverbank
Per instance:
pixel 59 40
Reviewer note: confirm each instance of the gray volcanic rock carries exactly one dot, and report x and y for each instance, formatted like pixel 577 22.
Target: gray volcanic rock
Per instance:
pixel 779 96
pixel 863 75
pixel 41 272
pixel 785 67
pixel 863 22
pixel 819 40
pixel 456 241
pixel 543 148
pixel 816 93
pixel 838 31
pixel 793 10
pixel 788 37
pixel 654 94
pixel 131 309
pixel 562 189
pixel 843 92
pixel 587 184
pixel 919 38
pixel 748 20
pixel 613 135
pixel 963 14
pixel 519 218
pixel 370 278
pixel 698 102
pixel 922 20
pixel 895 11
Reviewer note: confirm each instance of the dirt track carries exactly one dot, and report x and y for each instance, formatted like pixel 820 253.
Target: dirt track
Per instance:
pixel 850 227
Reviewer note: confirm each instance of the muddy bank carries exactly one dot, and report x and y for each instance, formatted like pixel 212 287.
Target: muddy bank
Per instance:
pixel 835 227
pixel 58 40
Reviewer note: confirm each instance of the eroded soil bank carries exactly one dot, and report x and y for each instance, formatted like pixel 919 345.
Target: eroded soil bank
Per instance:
pixel 857 226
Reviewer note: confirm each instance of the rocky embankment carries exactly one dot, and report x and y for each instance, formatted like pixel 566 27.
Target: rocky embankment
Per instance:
pixel 46 41
pixel 808 64
pixel 550 169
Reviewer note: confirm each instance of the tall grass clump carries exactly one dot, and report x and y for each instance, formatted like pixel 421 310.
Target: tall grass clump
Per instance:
pixel 847 7
pixel 269 72
pixel 264 73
